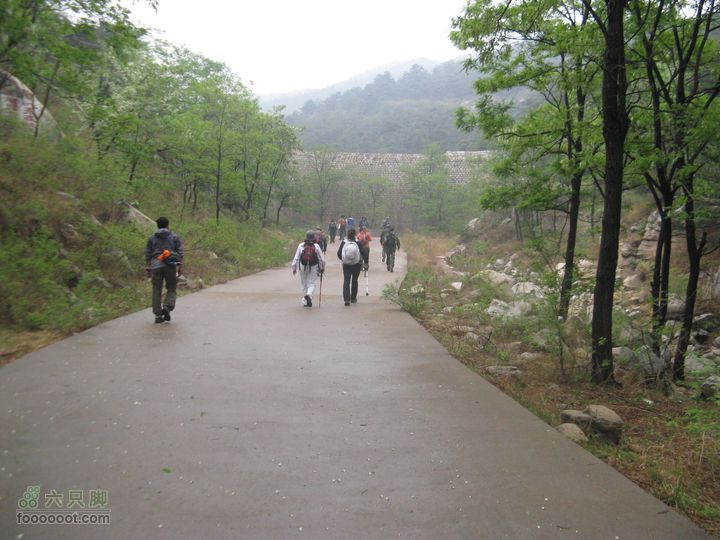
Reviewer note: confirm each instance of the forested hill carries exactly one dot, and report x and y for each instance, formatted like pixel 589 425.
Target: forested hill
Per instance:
pixel 400 115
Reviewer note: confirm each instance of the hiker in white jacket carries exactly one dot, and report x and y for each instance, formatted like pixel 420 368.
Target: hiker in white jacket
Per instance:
pixel 310 261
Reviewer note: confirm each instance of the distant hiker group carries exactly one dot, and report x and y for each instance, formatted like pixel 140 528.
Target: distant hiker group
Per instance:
pixel 353 252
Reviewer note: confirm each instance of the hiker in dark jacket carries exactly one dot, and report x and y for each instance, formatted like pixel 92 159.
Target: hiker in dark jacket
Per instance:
pixel 392 243
pixel 163 263
pixel 332 229
pixel 352 260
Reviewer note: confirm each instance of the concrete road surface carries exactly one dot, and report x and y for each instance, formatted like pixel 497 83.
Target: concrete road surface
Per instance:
pixel 250 416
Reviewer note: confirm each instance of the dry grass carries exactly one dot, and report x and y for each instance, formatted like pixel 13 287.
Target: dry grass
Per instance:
pixel 670 448
pixel 16 344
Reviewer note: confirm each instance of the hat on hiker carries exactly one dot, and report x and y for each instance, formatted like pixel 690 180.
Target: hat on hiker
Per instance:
pixel 310 236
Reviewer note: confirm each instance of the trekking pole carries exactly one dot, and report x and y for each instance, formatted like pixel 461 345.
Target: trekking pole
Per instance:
pixel 367 288
pixel 320 295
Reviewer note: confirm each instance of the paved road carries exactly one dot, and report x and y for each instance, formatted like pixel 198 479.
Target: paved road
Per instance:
pixel 251 417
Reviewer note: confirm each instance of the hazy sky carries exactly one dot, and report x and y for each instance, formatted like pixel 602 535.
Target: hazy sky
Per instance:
pixel 288 45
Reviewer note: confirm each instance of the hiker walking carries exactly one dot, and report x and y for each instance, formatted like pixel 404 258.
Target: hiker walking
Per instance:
pixel 364 238
pixel 310 261
pixel 351 255
pixel 320 239
pixel 342 227
pixel 350 223
pixel 163 264
pixel 392 243
pixel 364 223
pixel 332 229
pixel 385 229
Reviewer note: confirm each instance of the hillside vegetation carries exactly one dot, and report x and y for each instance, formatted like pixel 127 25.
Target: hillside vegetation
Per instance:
pixel 388 115
pixel 136 128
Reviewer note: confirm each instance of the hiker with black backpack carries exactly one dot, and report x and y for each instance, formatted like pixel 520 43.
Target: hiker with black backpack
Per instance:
pixel 310 261
pixel 351 254
pixel 391 244
pixel 163 263
pixel 332 229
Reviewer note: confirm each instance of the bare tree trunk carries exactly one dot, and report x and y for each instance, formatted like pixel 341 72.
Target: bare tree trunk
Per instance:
pixel 695 253
pixel 566 285
pixel 615 126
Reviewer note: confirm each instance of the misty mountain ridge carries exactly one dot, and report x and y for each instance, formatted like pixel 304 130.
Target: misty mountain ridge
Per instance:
pixel 292 101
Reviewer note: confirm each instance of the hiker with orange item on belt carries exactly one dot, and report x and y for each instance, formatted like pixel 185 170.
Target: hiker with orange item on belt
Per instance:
pixel 163 263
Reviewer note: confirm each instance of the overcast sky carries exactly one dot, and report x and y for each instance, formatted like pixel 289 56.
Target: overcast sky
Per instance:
pixel 289 45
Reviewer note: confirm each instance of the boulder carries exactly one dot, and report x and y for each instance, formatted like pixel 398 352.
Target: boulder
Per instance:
pixel 624 356
pixel 578 418
pixel 417 290
pixel 130 214
pixel 97 281
pixel 635 281
pixel 698 364
pixel 513 347
pixel 710 322
pixel 474 225
pixel 69 234
pixel 504 371
pixel 605 422
pixel 115 260
pixel 573 432
pixel 530 356
pixel 457 285
pixel 17 99
pixel 461 329
pixel 499 309
pixel 710 387
pixel 581 305
pixel 675 308
pixel 499 278
pixel 527 288
pixel 587 268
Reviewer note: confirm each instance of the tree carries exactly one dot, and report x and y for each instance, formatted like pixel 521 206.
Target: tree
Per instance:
pixel 615 127
pixel 376 187
pixel 547 47
pixel 324 178
pixel 430 190
pixel 674 126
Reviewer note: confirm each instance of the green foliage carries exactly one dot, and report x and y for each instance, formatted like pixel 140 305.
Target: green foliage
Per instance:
pixel 412 296
pixel 392 116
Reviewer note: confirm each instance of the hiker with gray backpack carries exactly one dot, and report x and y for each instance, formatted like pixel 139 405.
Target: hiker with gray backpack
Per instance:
pixel 310 261
pixel 351 254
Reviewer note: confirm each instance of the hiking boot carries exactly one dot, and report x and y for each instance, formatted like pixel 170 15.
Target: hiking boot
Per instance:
pixel 353 300
pixel 159 319
pixel 166 314
pixel 347 303
pixel 307 301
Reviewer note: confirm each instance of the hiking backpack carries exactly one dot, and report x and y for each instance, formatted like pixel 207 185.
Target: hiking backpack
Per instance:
pixel 308 255
pixel 351 253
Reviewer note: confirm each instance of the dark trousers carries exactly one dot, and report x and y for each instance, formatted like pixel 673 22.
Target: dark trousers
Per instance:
pixel 390 259
pixel 350 281
pixel 168 275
